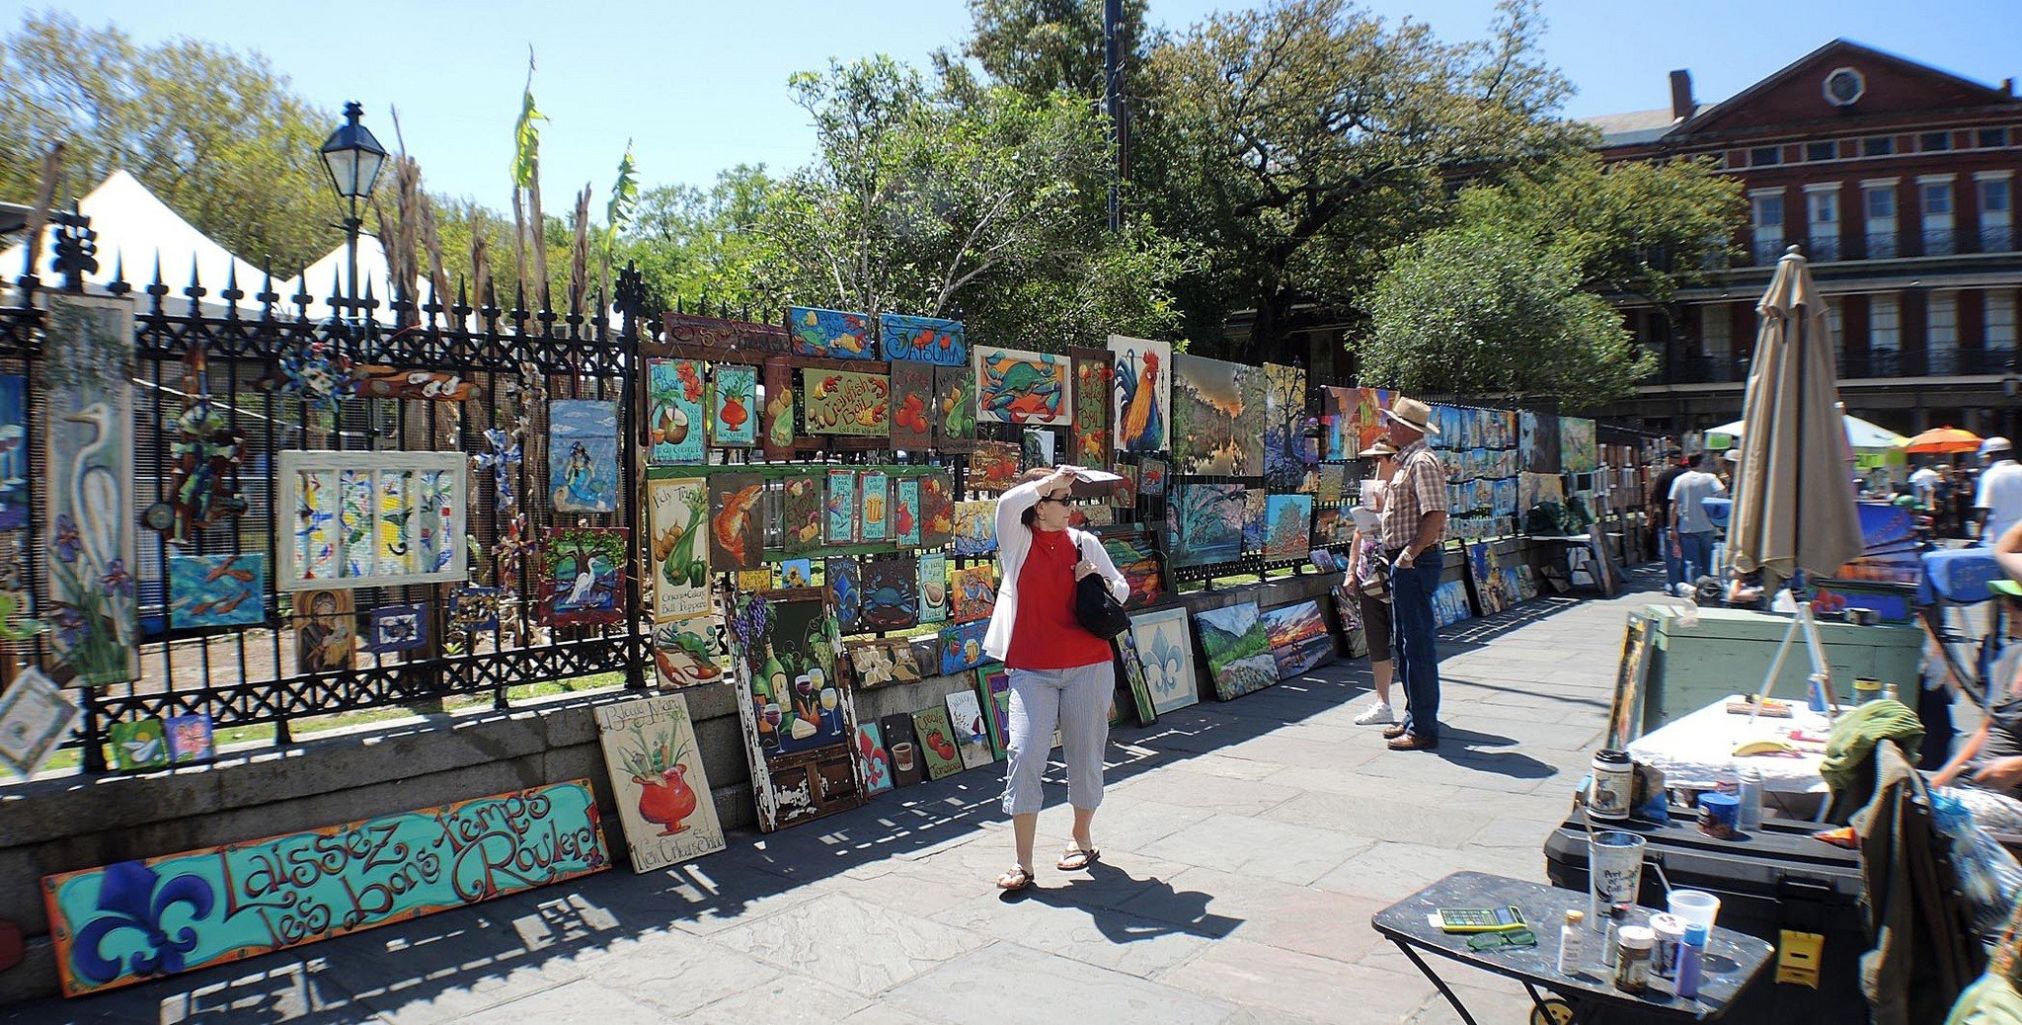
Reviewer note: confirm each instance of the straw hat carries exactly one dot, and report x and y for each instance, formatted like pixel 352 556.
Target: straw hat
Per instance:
pixel 1412 413
pixel 1382 447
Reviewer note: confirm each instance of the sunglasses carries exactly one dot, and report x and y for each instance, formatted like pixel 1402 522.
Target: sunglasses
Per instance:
pixel 1050 498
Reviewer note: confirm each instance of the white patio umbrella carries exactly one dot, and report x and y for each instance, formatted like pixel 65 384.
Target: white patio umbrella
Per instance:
pixel 1860 434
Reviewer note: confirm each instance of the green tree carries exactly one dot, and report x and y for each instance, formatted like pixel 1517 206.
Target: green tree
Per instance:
pixel 1293 144
pixel 693 244
pixel 1483 310
pixel 1041 46
pixel 217 134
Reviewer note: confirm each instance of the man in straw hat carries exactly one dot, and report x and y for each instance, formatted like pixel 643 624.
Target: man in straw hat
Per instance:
pixel 1414 523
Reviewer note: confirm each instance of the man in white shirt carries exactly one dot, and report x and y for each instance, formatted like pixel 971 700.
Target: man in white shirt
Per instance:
pixel 1691 527
pixel 1999 499
pixel 1924 483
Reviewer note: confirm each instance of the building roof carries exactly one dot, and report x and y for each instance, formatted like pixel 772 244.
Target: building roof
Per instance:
pixel 137 232
pixel 1632 127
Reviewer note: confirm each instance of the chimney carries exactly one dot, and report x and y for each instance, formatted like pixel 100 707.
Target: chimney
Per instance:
pixel 2008 86
pixel 1682 106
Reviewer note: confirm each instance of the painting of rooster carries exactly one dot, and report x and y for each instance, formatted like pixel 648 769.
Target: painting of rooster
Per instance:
pixel 1143 390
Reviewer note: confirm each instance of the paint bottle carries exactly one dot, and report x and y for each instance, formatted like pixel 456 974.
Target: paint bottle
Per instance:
pixel 1670 933
pixel 1612 779
pixel 1569 942
pixel 1632 960
pixel 1691 961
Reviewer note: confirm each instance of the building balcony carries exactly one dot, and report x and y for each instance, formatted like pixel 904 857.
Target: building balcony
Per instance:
pixel 1879 363
pixel 1764 252
pixel 1702 370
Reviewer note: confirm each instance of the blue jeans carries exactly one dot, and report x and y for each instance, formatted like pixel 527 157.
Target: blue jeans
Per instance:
pixel 1696 554
pixel 1674 567
pixel 1411 644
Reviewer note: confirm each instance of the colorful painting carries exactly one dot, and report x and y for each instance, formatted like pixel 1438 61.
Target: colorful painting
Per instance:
pixel 87 472
pixel 139 920
pixel 658 781
pixel 1090 438
pixel 1299 637
pixel 923 340
pixel 802 514
pixel 933 588
pixel 1577 451
pixel 846 402
pixel 474 610
pixel 1018 387
pixel 684 652
pixel 674 393
pixel 139 745
pixel 326 631
pixel 1165 652
pixel 1337 419
pixel 874 492
pixel 1238 649
pixel 1133 673
pixel 908 767
pixel 912 402
pixel 189 738
pixel 1037 448
pixel 736 521
pixel 733 406
pixel 994 681
pixel 937 508
pixel 830 333
pixel 13 452
pixel 1333 483
pixel 1204 523
pixel 906 511
pixel 971 730
pixel 1369 426
pixel 583 455
pixel 993 466
pixel 955 407
pixel 799 717
pixel 1450 604
pixel 1151 477
pixel 1123 493
pixel 1207 410
pixel 1255 504
pixel 396 628
pixel 1538 442
pixel 937 742
pixel 962 646
pixel 1290 452
pixel 777 424
pixel 677 510
pixel 217 590
pixel 891 599
pixel 875 760
pixel 972 592
pixel 796 573
pixel 1141 379
pixel 584 578
pixel 1288 526
pixel 35 716
pixel 975 529
pixel 842 580
pixel 1136 556
pixel 882 661
pixel 841 508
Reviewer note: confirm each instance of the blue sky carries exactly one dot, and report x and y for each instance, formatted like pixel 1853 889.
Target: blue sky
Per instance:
pixel 700 86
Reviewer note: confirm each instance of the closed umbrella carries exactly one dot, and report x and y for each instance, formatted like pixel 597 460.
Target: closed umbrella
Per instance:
pixel 1942 441
pixel 1795 508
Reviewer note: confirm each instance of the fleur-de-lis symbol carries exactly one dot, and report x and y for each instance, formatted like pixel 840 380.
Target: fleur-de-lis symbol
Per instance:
pixel 132 896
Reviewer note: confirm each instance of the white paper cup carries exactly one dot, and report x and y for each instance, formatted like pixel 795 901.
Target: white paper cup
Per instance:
pixel 1615 873
pixel 1695 906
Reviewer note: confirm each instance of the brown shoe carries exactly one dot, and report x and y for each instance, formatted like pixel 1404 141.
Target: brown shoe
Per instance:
pixel 1410 742
pixel 1393 732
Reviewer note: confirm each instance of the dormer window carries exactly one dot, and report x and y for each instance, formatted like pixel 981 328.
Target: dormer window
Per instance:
pixel 1844 86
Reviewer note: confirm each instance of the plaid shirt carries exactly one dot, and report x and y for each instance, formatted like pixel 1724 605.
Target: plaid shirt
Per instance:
pixel 1418 488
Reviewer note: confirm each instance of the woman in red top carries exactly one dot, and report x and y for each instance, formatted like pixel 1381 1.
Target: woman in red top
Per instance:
pixel 1061 675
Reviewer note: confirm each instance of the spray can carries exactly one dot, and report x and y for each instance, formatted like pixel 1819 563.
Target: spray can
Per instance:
pixel 1691 961
pixel 1749 813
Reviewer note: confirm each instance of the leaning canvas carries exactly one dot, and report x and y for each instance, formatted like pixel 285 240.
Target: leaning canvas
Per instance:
pixel 658 781
pixel 1166 653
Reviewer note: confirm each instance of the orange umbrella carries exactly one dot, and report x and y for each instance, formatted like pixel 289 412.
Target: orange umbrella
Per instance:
pixel 1943 441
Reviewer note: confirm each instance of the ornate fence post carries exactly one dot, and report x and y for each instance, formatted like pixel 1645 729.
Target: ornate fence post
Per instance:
pixel 631 306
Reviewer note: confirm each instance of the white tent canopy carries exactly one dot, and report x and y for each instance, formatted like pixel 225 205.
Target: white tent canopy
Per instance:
pixel 1860 434
pixel 134 228
pixel 333 272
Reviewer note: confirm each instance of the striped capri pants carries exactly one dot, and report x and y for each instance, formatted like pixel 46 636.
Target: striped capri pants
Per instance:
pixel 1077 701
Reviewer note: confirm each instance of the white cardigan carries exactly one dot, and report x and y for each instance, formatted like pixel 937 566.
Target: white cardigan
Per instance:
pixel 1014 540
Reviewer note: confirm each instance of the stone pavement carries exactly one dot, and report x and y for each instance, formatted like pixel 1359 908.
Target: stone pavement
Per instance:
pixel 1245 846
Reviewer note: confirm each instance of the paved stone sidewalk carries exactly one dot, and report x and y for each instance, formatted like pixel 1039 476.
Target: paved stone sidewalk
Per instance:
pixel 1245 846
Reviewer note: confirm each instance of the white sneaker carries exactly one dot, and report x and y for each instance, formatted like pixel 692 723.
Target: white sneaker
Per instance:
pixel 1378 715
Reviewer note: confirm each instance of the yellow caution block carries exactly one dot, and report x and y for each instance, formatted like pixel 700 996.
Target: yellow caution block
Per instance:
pixel 1797 958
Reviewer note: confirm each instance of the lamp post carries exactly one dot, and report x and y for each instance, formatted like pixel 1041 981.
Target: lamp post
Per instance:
pixel 353 158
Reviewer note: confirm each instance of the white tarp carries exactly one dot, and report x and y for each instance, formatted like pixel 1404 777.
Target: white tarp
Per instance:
pixel 134 227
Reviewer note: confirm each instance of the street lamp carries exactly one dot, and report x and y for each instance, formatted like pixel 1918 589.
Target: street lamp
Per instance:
pixel 353 158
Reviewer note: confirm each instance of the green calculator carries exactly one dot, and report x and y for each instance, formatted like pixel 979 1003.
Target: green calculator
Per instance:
pixel 1463 920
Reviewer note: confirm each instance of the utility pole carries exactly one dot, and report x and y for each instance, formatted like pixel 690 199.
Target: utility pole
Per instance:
pixel 1112 103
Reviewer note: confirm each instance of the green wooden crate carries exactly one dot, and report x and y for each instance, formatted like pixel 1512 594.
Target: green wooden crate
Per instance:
pixel 1731 649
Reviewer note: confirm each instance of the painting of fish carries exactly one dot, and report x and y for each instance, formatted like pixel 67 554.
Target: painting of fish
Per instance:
pixel 1017 387
pixel 217 590
pixel 834 334
pixel 841 507
pixel 736 522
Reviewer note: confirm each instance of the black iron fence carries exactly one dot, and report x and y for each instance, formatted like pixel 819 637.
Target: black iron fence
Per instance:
pixel 431 376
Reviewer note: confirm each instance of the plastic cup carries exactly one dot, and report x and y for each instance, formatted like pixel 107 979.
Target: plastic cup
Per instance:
pixel 1615 873
pixel 1696 907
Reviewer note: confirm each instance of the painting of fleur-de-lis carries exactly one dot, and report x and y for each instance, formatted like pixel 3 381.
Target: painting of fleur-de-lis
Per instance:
pixel 1166 654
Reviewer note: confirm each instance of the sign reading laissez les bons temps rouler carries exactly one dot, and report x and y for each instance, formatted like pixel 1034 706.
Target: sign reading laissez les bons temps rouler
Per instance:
pixel 137 920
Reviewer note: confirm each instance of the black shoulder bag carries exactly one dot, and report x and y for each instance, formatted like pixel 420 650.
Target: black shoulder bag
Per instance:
pixel 1094 607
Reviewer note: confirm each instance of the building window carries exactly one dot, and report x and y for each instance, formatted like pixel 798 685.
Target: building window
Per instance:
pixel 1821 205
pixel 1991 138
pixel 1934 142
pixel 1765 156
pixel 1880 201
pixel 1837 327
pixel 1884 335
pixel 1821 151
pixel 1941 344
pixel 1935 197
pixel 1716 338
pixel 1997 212
pixel 2000 308
pixel 1878 146
pixel 1768 221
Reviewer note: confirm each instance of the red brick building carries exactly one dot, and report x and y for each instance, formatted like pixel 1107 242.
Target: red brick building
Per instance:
pixel 1899 182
